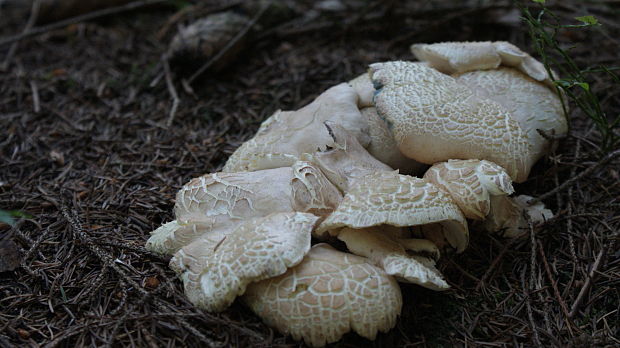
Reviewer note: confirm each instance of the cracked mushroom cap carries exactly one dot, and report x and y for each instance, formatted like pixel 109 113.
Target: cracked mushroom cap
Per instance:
pixel 434 118
pixel 507 215
pixel 392 256
pixel 327 295
pixel 388 198
pixel 346 160
pixel 460 57
pixel 214 204
pixel 471 183
pixel 286 136
pixel 532 104
pixel 214 274
pixel 383 147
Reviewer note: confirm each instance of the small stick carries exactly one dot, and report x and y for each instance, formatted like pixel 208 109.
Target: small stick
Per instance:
pixel 35 97
pixel 586 286
pixel 554 285
pixel 172 90
pixel 77 19
pixel 610 156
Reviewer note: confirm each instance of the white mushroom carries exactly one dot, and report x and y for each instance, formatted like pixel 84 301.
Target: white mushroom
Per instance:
pixel 434 118
pixel 215 204
pixel 383 147
pixel 286 136
pixel 481 189
pixel 507 215
pixel 214 274
pixel 327 295
pixel 471 184
pixel 399 200
pixel 364 89
pixel 391 255
pixel 459 57
pixel 346 160
pixel 532 104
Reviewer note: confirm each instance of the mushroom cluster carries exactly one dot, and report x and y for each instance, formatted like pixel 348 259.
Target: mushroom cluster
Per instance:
pixel 344 168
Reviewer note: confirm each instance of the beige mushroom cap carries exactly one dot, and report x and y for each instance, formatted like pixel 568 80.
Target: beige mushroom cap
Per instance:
pixel 399 200
pixel 434 118
pixel 383 146
pixel 532 104
pixel 364 89
pixel 216 203
pixel 346 160
pixel 507 215
pixel 459 57
pixel 471 183
pixel 391 255
pixel 327 295
pixel 286 136
pixel 214 274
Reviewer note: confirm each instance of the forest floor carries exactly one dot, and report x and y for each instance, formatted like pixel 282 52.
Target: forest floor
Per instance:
pixel 86 153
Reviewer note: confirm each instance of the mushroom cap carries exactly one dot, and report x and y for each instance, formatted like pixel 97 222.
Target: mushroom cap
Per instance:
pixel 391 256
pixel 287 135
pixel 532 104
pixel 460 57
pixel 471 183
pixel 507 215
pixel 327 295
pixel 346 160
pixel 434 118
pixel 383 147
pixel 399 200
pixel 364 89
pixel 214 274
pixel 216 203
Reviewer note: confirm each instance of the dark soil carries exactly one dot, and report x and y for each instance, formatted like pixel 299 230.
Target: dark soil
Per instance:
pixel 85 151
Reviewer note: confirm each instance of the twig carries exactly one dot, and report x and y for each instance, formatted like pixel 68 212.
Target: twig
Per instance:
pixel 36 104
pixel 77 19
pixel 34 14
pixel 172 90
pixel 610 156
pixel 230 44
pixel 495 262
pixel 586 286
pixel 554 285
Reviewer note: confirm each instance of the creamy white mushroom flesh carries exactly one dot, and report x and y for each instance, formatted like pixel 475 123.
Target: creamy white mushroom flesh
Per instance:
pixel 392 256
pixel 471 184
pixel 346 160
pixel 531 103
pixel 215 273
pixel 387 198
pixel 481 189
pixel 215 204
pixel 284 137
pixel 434 118
pixel 460 57
pixel 383 147
pixel 327 295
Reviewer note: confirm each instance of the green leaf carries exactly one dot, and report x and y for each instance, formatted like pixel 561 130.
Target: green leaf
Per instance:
pixel 588 20
pixel 539 1
pixel 584 85
pixel 7 216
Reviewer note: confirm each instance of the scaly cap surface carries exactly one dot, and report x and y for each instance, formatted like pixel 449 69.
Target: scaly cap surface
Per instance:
pixel 434 118
pixel 214 274
pixel 327 295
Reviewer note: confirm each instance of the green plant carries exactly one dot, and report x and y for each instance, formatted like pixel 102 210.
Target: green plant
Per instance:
pixel 572 82
pixel 8 216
